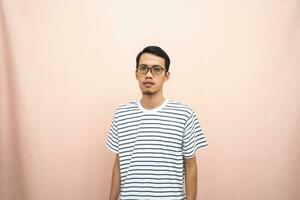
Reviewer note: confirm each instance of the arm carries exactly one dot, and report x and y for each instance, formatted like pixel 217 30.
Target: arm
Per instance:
pixel 191 178
pixel 115 181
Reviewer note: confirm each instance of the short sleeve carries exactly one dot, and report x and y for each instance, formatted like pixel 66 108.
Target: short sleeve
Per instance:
pixel 193 137
pixel 112 141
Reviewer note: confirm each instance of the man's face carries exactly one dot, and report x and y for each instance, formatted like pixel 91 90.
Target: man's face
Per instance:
pixel 150 83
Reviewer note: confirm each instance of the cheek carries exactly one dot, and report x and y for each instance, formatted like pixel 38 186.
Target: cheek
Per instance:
pixel 160 82
pixel 138 79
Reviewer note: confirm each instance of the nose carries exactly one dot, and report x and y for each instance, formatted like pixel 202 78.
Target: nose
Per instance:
pixel 149 74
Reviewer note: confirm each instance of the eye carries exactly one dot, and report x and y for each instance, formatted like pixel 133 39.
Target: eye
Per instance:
pixel 143 68
pixel 156 69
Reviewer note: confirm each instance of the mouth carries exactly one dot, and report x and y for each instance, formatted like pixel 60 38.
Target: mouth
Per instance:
pixel 148 83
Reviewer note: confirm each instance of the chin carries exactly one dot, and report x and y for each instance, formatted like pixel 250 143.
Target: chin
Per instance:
pixel 147 92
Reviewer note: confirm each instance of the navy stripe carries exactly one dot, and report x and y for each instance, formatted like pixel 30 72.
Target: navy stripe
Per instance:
pixel 152 146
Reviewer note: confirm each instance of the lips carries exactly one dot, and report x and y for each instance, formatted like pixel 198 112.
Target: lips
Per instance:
pixel 148 83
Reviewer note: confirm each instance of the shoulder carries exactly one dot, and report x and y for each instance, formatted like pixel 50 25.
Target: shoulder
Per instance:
pixel 176 104
pixel 129 105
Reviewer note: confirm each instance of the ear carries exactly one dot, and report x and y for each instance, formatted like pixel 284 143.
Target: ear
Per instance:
pixel 136 76
pixel 167 76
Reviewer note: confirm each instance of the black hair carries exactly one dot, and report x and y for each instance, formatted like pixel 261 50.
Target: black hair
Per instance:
pixel 156 51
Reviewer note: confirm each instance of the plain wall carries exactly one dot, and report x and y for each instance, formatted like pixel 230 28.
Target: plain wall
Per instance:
pixel 66 65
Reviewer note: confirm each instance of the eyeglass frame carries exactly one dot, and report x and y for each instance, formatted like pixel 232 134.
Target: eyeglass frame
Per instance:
pixel 150 68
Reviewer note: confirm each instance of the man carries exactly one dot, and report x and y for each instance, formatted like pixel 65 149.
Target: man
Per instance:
pixel 155 139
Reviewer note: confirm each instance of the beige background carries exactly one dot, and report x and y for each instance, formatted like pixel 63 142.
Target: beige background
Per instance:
pixel 66 65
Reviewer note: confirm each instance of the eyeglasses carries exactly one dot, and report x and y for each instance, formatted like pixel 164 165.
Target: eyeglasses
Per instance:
pixel 155 69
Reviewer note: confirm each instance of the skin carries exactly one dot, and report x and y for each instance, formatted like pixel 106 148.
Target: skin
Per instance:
pixel 152 97
pixel 191 178
pixel 115 180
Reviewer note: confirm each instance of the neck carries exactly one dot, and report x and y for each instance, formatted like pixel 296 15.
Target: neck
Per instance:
pixel 152 101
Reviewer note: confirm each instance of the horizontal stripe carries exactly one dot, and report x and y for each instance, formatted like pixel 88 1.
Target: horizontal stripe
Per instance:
pixel 152 146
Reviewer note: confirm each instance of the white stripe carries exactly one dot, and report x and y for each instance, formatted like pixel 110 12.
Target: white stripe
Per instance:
pixel 152 145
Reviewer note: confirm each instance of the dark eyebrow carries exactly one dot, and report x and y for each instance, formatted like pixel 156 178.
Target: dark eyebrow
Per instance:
pixel 143 65
pixel 152 65
pixel 156 66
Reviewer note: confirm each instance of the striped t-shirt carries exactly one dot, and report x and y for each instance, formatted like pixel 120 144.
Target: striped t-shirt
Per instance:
pixel 152 145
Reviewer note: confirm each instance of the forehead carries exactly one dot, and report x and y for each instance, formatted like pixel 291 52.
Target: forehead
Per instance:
pixel 151 59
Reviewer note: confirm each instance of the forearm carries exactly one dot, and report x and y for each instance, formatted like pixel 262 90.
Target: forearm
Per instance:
pixel 191 181
pixel 115 181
